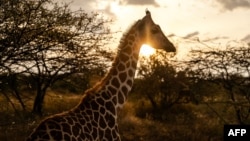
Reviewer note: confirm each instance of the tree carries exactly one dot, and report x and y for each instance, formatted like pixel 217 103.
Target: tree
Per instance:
pixel 47 41
pixel 161 83
pixel 229 68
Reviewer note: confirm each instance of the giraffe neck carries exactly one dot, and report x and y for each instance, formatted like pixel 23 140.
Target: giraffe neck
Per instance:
pixel 120 78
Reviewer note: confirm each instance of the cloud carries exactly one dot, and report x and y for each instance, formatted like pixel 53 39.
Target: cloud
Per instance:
pixel 140 2
pixel 190 35
pixel 77 4
pixel 233 4
pixel 105 6
pixel 102 6
pixel 107 10
pixel 246 38
pixel 215 38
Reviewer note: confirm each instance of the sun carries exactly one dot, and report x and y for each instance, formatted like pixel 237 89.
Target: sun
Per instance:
pixel 147 50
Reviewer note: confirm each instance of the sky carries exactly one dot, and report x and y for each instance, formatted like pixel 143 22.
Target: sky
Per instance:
pixel 203 20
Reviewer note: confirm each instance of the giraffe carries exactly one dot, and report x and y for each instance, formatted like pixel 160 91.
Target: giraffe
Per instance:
pixel 95 117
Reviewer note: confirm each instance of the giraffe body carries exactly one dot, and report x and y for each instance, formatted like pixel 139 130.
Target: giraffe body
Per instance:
pixel 95 117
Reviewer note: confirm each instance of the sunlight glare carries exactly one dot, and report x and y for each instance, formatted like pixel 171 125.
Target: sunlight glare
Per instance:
pixel 114 7
pixel 147 50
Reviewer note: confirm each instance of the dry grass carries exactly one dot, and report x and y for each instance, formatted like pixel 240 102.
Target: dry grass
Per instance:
pixel 180 123
pixel 16 126
pixel 176 126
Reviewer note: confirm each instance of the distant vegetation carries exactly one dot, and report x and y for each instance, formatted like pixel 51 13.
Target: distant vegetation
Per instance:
pixel 49 56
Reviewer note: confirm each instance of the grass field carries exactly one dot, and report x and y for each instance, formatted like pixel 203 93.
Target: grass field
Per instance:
pixel 181 122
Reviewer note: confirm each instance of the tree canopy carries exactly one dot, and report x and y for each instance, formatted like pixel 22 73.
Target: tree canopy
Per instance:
pixel 48 41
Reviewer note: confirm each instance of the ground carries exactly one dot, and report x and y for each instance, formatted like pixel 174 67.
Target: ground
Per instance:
pixel 182 122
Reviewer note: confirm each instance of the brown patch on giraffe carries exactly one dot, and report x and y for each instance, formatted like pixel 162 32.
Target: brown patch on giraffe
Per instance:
pixel 76 130
pixel 121 99
pixel 62 120
pixel 114 100
pixel 102 110
pixel 123 76
pixel 77 110
pixel 114 71
pixel 124 58
pixel 88 136
pixel 96 116
pixel 42 127
pixel 110 106
pixel 131 38
pixel 114 135
pixel 125 89
pixel 112 91
pixel 108 133
pixel 101 134
pixel 86 129
pixel 130 43
pixel 128 50
pixel 95 124
pixel 66 127
pixel 46 136
pixel 115 82
pixel 102 122
pixel 74 118
pixel 56 134
pixel 107 95
pixel 100 101
pixel 94 133
pixel 89 126
pixel 66 137
pixel 121 67
pixel 111 122
pixel 129 82
pixel 94 105
pixel 82 121
pixel 87 105
pixel 128 64
pixel 70 121
pixel 89 112
pixel 53 125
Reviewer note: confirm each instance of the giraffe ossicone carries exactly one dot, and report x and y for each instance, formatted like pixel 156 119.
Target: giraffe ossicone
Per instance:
pixel 95 117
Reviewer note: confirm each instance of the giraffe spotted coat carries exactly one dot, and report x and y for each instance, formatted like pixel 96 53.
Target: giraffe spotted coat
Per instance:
pixel 95 117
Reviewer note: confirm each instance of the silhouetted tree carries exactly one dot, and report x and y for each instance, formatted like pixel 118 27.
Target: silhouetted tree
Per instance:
pixel 161 83
pixel 230 69
pixel 48 41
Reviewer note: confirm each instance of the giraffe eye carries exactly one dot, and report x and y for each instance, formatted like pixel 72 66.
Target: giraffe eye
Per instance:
pixel 155 30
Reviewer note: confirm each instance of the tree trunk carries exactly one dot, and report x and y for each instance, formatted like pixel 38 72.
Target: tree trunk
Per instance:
pixel 152 101
pixel 236 107
pixel 14 89
pixel 38 103
pixel 16 93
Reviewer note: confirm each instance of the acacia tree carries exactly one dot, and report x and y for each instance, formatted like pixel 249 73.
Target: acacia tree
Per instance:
pixel 47 41
pixel 229 68
pixel 161 83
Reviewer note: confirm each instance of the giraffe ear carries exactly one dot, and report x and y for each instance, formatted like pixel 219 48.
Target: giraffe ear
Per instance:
pixel 144 20
pixel 148 12
pixel 148 15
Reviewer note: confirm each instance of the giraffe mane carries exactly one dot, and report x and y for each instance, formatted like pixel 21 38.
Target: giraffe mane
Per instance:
pixel 124 36
pixel 97 86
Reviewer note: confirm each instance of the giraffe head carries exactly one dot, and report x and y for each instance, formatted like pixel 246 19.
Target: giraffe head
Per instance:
pixel 151 34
